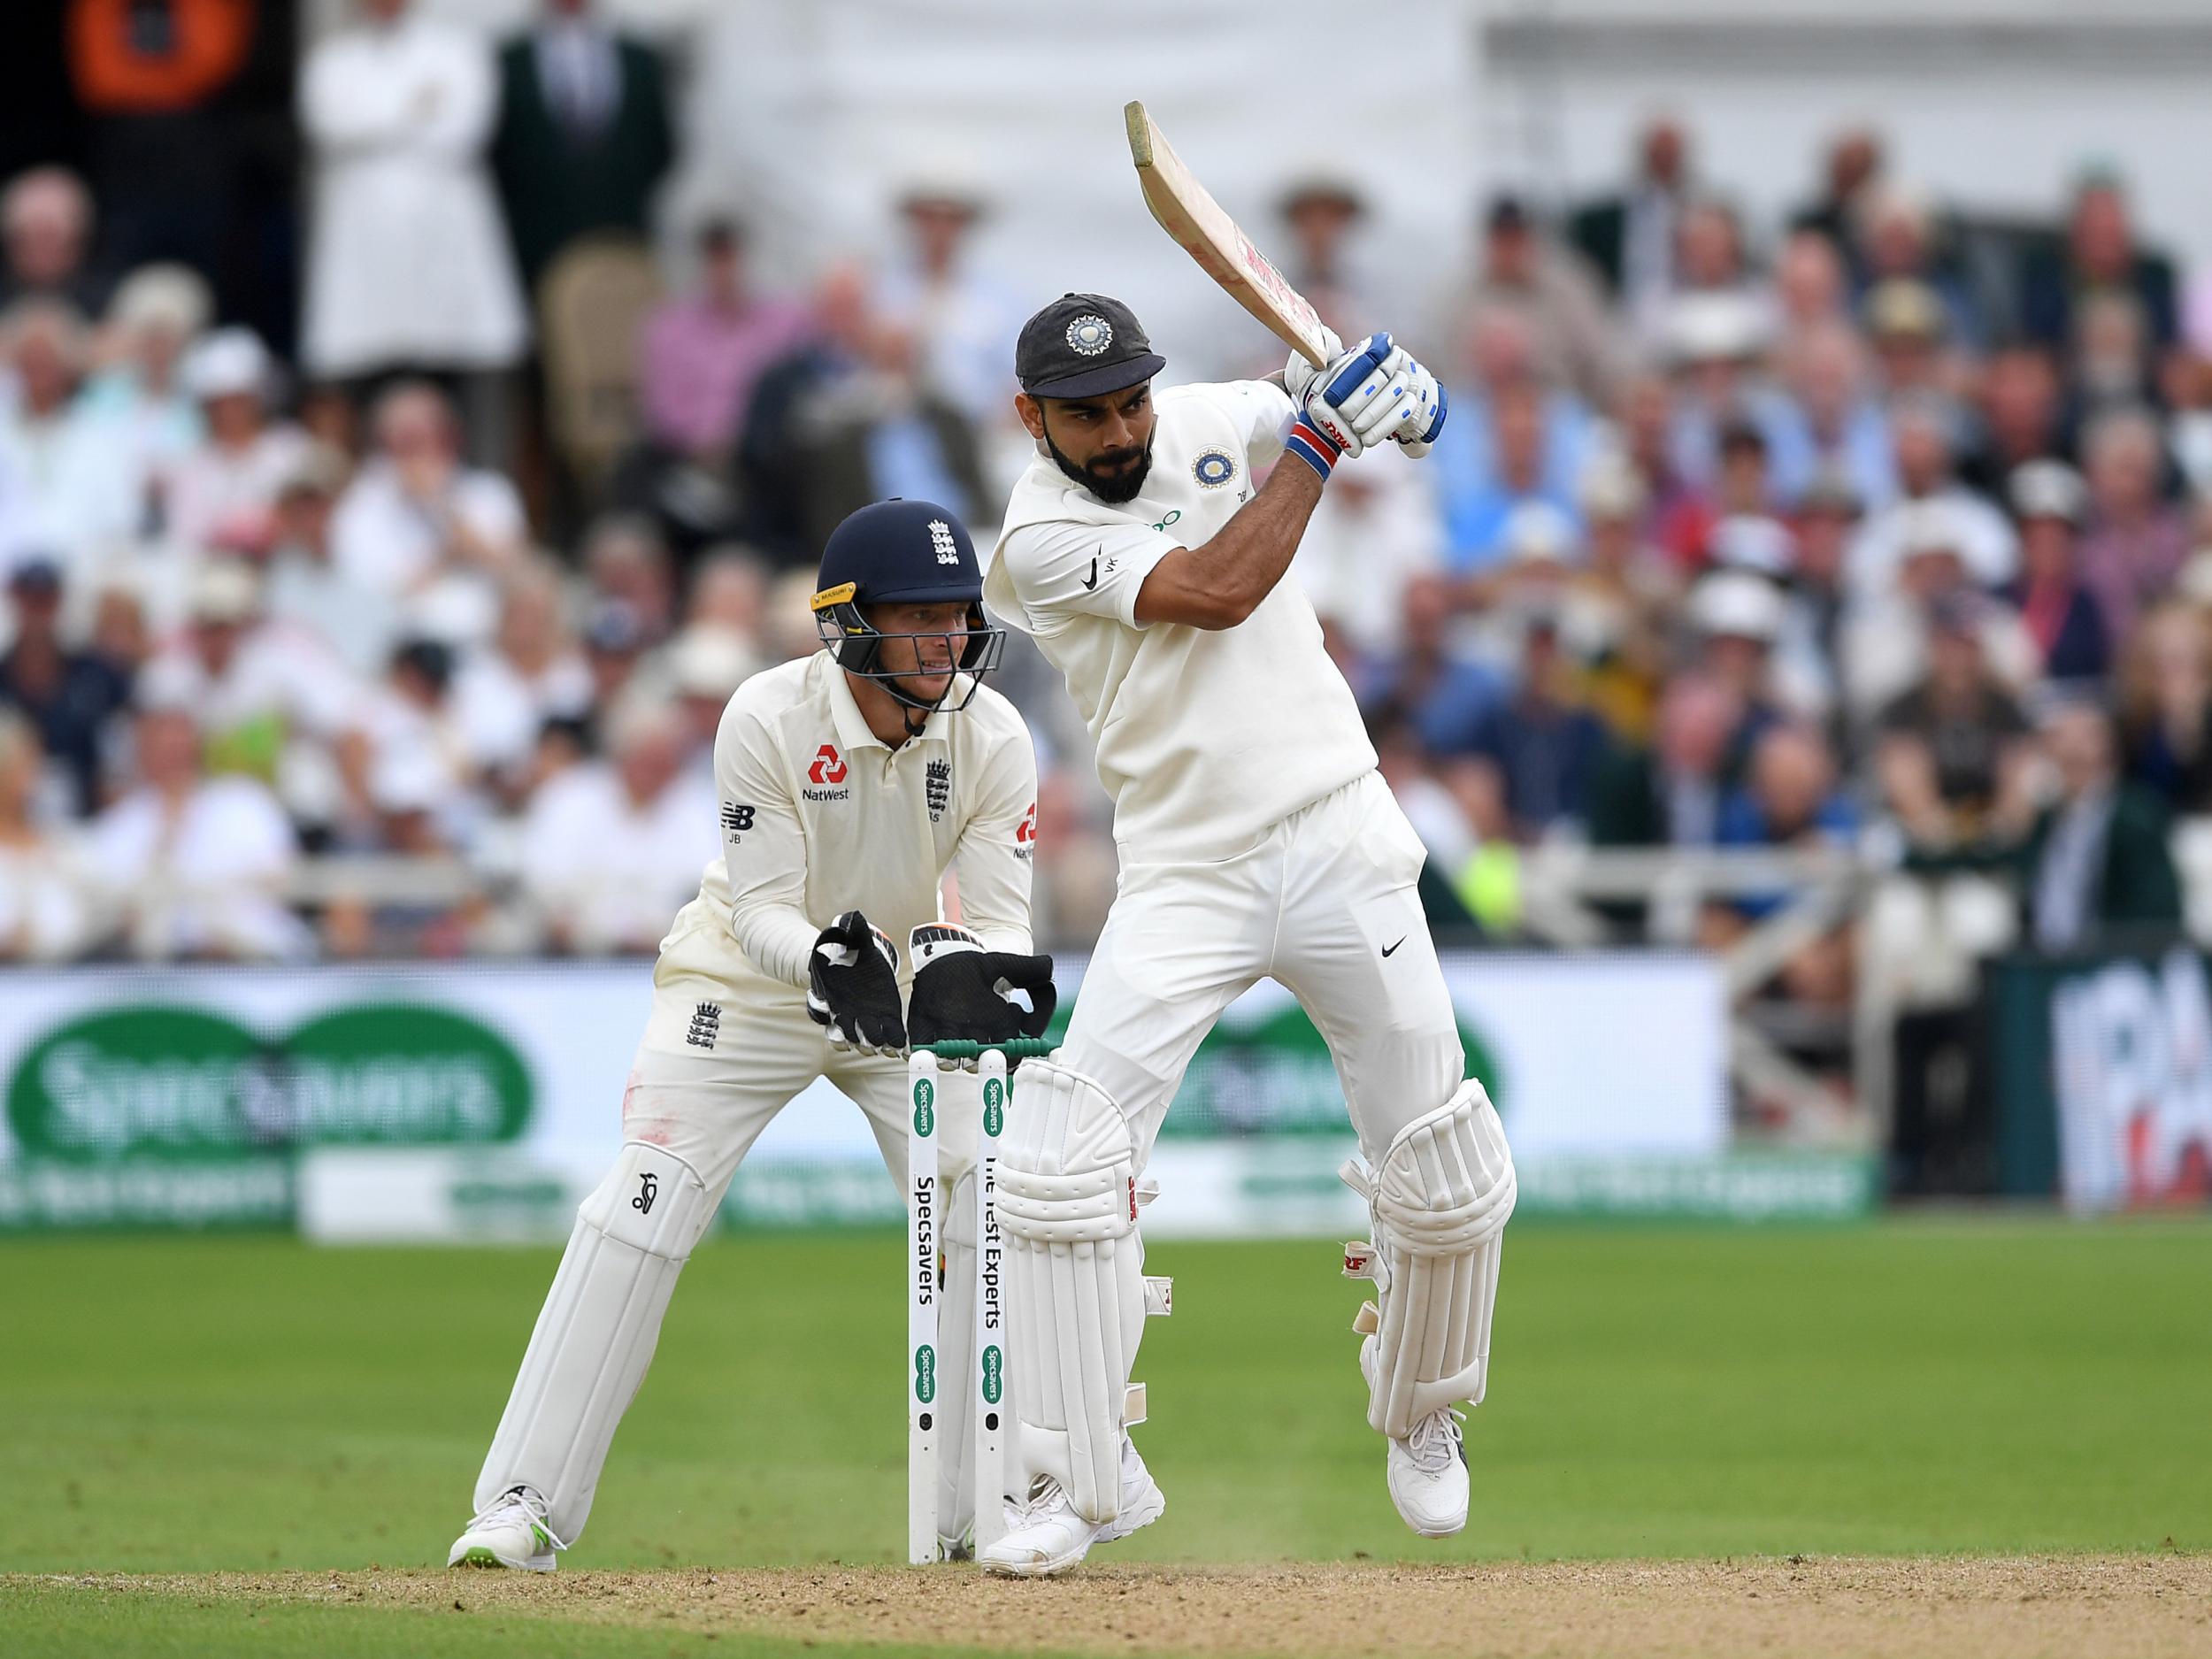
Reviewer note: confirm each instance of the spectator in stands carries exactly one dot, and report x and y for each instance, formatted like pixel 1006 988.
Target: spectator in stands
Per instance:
pixel 1320 211
pixel 1442 695
pixel 1827 521
pixel 271 702
pixel 2166 708
pixel 2111 366
pixel 1618 607
pixel 615 643
pixel 224 491
pixel 418 526
pixel 1671 793
pixel 1540 744
pixel 504 692
pixel 1899 238
pixel 408 264
pixel 1632 237
pixel 2096 858
pixel 960 317
pixel 1480 491
pixel 584 137
pixel 626 561
pixel 305 588
pixel 1810 289
pixel 1853 167
pixel 150 78
pixel 1736 617
pixel 69 696
pixel 193 865
pixel 703 356
pixel 1953 758
pixel 2061 614
pixel 406 746
pixel 1909 328
pixel 1920 431
pixel 702 666
pixel 2137 541
pixel 1790 796
pixel 1831 423
pixel 729 590
pixel 43 914
pixel 1885 646
pixel 1711 259
pixel 46 239
pixel 1678 514
pixel 846 419
pixel 2186 383
pixel 158 312
pixel 2101 256
pixel 1717 345
pixel 616 847
pixel 2019 410
pixel 83 494
pixel 1523 273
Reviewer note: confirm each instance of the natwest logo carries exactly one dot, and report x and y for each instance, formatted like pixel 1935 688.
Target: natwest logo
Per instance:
pixel 828 767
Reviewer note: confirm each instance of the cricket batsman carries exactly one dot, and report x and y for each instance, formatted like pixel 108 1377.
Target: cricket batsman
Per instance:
pixel 848 781
pixel 1256 840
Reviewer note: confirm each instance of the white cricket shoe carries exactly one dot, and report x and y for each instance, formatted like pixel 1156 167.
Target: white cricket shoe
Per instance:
pixel 1426 1471
pixel 510 1532
pixel 1044 1534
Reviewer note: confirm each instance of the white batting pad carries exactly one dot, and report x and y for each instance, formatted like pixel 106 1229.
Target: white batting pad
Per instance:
pixel 1440 1203
pixel 956 1355
pixel 597 1332
pixel 1067 1204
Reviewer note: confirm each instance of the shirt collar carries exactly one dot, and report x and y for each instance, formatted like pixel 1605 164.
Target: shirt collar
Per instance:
pixel 852 726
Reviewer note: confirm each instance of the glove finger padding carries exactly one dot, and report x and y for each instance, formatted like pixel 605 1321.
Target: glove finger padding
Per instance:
pixel 962 991
pixel 1301 371
pixel 853 986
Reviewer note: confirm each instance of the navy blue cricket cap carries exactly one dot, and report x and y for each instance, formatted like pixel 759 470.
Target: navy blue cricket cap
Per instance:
pixel 1084 345
pixel 897 549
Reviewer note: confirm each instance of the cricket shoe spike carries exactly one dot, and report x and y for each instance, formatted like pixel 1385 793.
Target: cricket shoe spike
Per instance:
pixel 1045 1536
pixel 510 1532
pixel 1426 1471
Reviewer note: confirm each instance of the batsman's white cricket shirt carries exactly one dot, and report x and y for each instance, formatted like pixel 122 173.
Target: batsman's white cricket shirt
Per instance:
pixel 820 816
pixel 1204 738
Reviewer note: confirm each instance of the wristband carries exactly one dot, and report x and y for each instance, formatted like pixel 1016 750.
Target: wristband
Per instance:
pixel 1314 446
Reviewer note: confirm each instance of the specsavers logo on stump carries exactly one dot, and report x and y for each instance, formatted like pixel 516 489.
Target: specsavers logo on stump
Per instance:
pixel 162 1112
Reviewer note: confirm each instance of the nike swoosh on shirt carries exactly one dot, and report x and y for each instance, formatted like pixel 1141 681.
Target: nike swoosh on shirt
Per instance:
pixel 1402 940
pixel 1091 580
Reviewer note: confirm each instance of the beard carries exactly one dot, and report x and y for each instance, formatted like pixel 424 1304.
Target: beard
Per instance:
pixel 1109 487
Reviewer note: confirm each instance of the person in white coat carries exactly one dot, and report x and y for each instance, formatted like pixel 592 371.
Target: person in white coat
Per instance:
pixel 408 266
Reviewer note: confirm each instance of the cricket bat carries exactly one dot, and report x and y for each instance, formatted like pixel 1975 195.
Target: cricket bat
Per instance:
pixel 1190 215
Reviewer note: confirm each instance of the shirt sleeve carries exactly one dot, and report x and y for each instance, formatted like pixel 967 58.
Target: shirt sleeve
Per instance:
pixel 764 848
pixel 1263 412
pixel 1064 569
pixel 994 856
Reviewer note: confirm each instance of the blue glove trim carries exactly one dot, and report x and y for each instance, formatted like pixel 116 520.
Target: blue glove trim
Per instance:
pixel 1313 447
pixel 1358 369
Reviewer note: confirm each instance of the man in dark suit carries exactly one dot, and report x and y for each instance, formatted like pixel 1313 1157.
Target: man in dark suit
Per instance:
pixel 1630 237
pixel 584 135
pixel 2096 859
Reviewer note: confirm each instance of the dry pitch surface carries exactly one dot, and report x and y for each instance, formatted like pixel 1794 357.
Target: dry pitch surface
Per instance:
pixel 2118 1606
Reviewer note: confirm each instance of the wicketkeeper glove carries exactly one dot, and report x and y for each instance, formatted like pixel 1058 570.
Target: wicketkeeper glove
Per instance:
pixel 963 993
pixel 853 986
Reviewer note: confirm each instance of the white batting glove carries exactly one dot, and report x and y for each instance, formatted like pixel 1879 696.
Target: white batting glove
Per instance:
pixel 1299 373
pixel 1424 419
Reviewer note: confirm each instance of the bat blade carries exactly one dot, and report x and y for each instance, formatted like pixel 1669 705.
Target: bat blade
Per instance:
pixel 1198 223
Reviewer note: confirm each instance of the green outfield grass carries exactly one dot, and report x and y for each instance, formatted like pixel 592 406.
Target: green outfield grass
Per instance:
pixel 193 1404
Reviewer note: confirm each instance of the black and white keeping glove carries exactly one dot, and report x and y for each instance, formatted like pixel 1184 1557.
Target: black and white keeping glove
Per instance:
pixel 965 994
pixel 853 986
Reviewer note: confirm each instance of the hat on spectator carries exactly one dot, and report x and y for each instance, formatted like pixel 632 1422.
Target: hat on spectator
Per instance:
pixel 1320 185
pixel 407 778
pixel 37 574
pixel 946 181
pixel 1832 490
pixel 706 661
pixel 2047 490
pixel 166 684
pixel 1536 532
pixel 1930 527
pixel 174 297
pixel 1752 542
pixel 1715 328
pixel 320 469
pixel 1736 604
pixel 228 363
pixel 1902 307
pixel 1610 488
pixel 224 591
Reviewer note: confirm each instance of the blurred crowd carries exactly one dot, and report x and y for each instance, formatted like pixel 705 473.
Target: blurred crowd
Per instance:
pixel 1879 529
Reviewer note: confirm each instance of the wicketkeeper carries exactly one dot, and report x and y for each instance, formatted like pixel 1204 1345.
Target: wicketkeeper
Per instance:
pixel 1256 841
pixel 850 781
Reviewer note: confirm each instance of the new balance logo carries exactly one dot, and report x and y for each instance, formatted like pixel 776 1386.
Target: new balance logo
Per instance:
pixel 736 820
pixel 938 788
pixel 648 1188
pixel 706 1026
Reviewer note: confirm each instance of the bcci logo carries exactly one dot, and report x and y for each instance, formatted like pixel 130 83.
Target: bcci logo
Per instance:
pixel 1089 336
pixel 924 1108
pixel 948 551
pixel 1213 469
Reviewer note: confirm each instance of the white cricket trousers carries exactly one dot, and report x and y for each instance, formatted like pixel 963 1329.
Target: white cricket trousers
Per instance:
pixel 709 1075
pixel 1325 905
